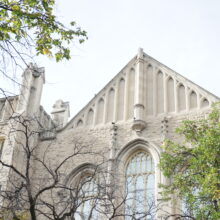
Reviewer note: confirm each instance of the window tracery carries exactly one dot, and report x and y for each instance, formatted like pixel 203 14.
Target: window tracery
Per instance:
pixel 87 199
pixel 140 186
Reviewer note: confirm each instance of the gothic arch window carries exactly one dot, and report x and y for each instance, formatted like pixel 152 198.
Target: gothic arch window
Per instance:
pixel 140 186
pixel 87 199
pixel 193 100
pixel 110 111
pixel 181 97
pixel 204 103
pixel 79 123
pixel 90 116
pixel 121 93
pixel 170 95
pixel 100 111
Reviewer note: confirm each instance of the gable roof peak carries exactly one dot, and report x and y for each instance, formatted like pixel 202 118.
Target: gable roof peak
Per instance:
pixel 147 84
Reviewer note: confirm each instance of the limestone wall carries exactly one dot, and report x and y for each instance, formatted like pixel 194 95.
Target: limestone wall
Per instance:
pixel 8 106
pixel 104 143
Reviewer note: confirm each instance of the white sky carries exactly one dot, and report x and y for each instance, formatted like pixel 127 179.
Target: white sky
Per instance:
pixel 183 35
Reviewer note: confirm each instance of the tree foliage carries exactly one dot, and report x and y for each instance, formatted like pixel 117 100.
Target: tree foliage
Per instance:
pixel 194 167
pixel 32 25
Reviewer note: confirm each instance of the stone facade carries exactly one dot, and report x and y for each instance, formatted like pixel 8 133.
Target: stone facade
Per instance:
pixel 140 107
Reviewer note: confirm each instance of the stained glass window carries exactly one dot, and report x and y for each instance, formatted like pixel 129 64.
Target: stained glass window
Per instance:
pixel 140 187
pixel 88 200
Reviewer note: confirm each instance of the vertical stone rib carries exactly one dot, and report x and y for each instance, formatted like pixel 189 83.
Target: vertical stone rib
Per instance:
pixel 170 95
pixel 165 93
pixel 139 124
pixel 95 113
pixel 154 91
pixel 198 101
pixel 115 103
pixel 139 104
pixel 106 108
pixel 160 92
pixel 127 78
pixel 131 93
pixel 187 98
pixel 121 99
pixel 149 91
pixel 175 96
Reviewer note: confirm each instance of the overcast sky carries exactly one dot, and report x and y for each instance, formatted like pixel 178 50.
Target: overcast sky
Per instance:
pixel 183 35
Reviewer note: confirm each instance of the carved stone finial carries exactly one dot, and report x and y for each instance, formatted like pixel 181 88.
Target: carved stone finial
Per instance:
pixel 58 105
pixel 61 112
pixel 140 53
pixel 37 71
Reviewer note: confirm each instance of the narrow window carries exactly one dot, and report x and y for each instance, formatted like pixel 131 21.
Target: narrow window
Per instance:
pixel 87 200
pixel 140 187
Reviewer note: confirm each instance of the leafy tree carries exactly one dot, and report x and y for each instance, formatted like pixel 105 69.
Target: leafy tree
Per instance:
pixel 29 28
pixel 194 167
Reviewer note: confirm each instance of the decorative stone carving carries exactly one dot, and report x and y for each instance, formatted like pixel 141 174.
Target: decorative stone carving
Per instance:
pixel 138 125
pixel 60 113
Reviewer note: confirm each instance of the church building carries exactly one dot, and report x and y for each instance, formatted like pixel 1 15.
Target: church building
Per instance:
pixel 111 147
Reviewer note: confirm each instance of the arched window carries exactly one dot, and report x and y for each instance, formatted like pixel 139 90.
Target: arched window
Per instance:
pixel 79 123
pixel 87 199
pixel 140 187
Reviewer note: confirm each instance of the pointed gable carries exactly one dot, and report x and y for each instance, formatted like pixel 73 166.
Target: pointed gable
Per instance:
pixel 162 92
